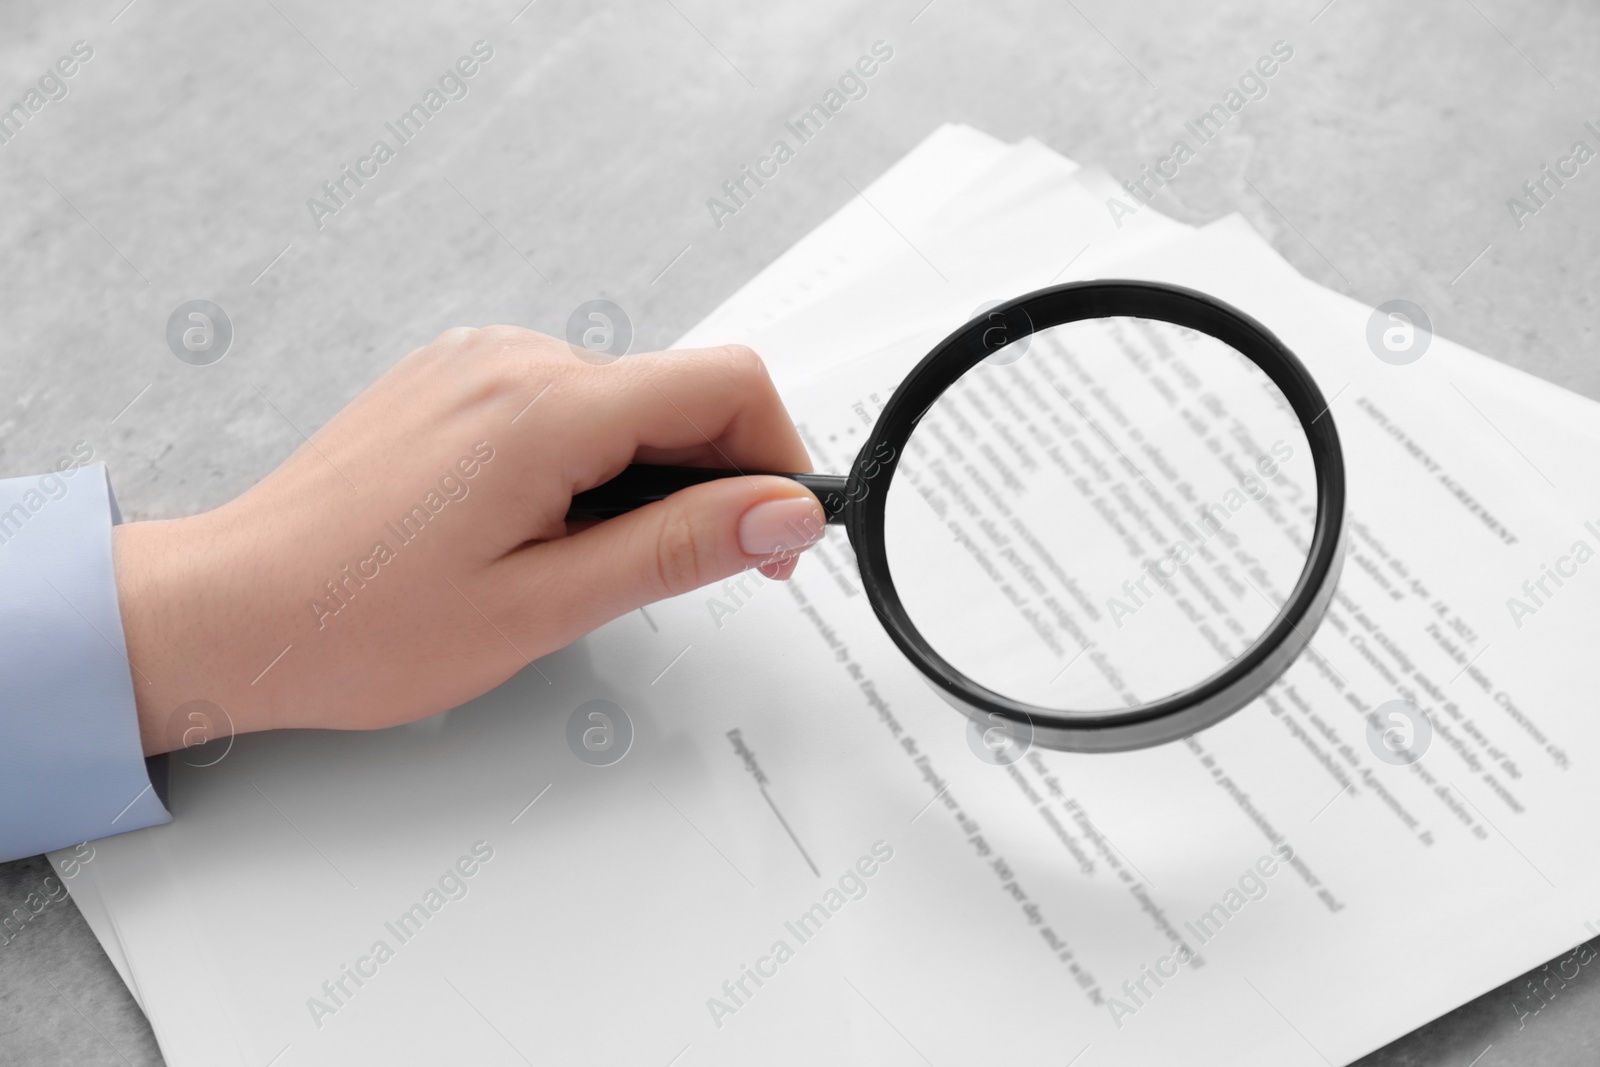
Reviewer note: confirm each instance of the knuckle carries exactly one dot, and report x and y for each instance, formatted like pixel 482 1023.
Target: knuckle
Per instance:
pixel 497 364
pixel 515 362
pixel 681 553
pixel 505 336
pixel 456 337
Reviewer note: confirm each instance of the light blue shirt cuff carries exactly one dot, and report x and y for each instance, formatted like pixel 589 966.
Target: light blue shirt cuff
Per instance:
pixel 71 764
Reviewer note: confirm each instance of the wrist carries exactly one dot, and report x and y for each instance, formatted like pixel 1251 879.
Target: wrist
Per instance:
pixel 181 615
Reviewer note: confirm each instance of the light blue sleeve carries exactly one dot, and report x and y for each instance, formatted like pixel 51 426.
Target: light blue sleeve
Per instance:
pixel 71 765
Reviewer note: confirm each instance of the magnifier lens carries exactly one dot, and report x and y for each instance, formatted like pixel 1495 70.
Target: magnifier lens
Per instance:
pixel 1101 514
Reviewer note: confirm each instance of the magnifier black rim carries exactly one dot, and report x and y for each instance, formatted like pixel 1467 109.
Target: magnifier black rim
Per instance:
pixel 871 474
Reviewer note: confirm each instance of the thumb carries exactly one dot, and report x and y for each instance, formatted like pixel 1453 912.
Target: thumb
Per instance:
pixel 694 537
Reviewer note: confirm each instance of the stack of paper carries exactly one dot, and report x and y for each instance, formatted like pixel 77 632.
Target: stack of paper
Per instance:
pixel 800 860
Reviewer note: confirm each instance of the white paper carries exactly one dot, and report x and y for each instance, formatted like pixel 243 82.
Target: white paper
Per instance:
pixel 905 200
pixel 626 892
pixel 618 903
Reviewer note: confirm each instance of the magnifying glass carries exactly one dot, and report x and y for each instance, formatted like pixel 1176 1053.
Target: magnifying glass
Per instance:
pixel 1099 517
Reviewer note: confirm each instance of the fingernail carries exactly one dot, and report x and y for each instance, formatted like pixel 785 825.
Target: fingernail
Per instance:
pixel 779 570
pixel 778 526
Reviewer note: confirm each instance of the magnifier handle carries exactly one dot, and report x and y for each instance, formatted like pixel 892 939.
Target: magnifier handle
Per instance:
pixel 641 483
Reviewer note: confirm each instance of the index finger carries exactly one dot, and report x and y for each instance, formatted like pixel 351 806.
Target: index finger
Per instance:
pixel 713 407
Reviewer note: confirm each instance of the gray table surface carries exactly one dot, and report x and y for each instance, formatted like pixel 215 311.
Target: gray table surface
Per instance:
pixel 179 164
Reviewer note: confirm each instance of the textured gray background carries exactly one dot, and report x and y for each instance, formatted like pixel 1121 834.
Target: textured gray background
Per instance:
pixel 179 165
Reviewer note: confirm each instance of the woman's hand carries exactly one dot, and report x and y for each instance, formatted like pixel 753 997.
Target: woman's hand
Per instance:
pixel 415 553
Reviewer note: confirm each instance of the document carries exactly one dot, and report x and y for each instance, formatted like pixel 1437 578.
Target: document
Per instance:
pixel 801 858
pixel 1387 859
pixel 1030 220
pixel 915 193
